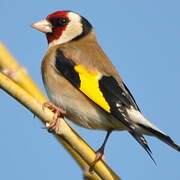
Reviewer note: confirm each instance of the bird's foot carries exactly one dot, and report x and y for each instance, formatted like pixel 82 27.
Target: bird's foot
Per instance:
pixel 99 156
pixel 53 126
pixel 100 152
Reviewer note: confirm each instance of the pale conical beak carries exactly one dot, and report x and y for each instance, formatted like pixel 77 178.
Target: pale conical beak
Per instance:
pixel 43 26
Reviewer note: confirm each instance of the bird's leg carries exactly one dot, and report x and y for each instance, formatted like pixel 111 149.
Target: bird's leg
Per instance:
pixel 53 126
pixel 100 152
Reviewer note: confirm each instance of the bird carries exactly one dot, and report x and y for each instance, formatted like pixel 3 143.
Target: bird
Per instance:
pixel 84 86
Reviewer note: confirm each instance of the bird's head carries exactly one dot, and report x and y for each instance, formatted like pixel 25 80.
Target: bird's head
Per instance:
pixel 63 26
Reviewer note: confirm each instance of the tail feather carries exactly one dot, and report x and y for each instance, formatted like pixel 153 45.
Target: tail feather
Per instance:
pixel 142 141
pixel 161 136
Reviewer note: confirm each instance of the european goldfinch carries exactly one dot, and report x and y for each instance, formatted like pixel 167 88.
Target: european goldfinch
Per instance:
pixel 80 79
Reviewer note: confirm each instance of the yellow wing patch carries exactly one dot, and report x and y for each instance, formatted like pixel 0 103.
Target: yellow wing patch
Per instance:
pixel 89 85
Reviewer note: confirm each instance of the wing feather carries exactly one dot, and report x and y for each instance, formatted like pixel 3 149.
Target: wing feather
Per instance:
pixel 105 91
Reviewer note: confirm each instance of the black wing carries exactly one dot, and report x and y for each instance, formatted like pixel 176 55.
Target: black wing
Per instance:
pixel 107 89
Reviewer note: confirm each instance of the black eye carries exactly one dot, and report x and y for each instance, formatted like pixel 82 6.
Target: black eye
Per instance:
pixel 59 21
pixel 62 21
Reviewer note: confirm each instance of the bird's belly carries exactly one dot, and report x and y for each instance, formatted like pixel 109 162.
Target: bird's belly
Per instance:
pixel 79 108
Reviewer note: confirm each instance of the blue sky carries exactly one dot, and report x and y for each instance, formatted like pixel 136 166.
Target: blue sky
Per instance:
pixel 142 38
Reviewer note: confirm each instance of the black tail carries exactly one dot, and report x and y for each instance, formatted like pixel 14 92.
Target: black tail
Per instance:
pixel 142 141
pixel 162 137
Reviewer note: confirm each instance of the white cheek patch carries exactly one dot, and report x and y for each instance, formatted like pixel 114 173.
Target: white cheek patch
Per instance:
pixel 73 29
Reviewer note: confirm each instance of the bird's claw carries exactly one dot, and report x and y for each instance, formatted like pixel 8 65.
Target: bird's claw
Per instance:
pixel 99 156
pixel 53 126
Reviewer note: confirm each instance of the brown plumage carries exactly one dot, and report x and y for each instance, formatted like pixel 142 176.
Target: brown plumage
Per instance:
pixel 79 108
pixel 81 79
